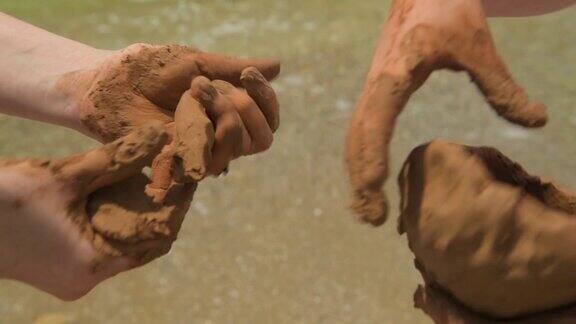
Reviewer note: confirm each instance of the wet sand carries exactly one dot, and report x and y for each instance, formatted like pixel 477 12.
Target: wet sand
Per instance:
pixel 274 242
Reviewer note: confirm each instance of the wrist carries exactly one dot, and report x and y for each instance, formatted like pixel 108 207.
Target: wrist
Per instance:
pixel 70 87
pixel 32 61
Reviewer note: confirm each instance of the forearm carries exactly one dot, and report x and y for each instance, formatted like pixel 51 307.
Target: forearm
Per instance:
pixel 31 62
pixel 519 8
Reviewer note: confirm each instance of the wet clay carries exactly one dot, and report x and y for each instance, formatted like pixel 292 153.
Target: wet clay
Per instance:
pixel 125 218
pixel 102 192
pixel 496 238
pixel 186 158
pixel 420 37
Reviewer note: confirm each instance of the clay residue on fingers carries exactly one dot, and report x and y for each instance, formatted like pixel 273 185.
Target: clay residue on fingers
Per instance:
pixel 419 38
pixel 194 134
pixel 125 218
pixel 495 237
pixel 186 158
pixel 117 160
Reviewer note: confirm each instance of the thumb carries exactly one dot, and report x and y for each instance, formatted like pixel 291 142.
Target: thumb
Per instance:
pixel 112 162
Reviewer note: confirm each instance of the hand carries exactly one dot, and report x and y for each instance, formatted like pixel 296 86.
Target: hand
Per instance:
pixel 68 224
pixel 442 309
pixel 418 38
pixel 144 83
pixel 189 155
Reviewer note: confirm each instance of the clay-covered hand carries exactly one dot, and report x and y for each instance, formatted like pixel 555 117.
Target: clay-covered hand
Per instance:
pixel 68 224
pixel 195 148
pixel 442 309
pixel 144 83
pixel 418 38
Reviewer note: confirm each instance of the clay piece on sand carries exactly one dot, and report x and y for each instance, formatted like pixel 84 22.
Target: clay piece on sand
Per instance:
pixel 497 239
pixel 419 37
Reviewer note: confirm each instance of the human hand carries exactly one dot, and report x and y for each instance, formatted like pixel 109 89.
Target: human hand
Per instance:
pixel 442 309
pixel 189 154
pixel 418 38
pixel 144 83
pixel 68 224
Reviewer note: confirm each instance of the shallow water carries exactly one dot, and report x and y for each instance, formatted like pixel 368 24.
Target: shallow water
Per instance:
pixel 273 241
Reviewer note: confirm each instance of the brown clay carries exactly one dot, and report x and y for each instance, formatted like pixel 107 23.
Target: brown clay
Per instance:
pixel 169 85
pixel 499 240
pixel 261 91
pixel 102 192
pixel 421 36
pixel 186 158
pixel 124 216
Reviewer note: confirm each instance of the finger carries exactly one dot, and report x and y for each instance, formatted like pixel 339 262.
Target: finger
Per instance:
pixel 194 134
pixel 214 67
pixel 112 162
pixel 228 132
pixel 494 80
pixel 263 94
pixel 368 142
pixel 257 128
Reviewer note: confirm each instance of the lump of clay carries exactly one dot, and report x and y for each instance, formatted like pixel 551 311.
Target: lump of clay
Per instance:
pixel 186 159
pixel 421 36
pixel 141 209
pixel 125 216
pixel 497 239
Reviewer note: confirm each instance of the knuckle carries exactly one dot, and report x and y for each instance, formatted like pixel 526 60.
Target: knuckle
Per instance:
pixel 232 126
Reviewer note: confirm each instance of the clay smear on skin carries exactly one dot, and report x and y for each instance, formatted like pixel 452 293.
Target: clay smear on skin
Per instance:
pixel 419 38
pixel 144 84
pixel 186 158
pixel 106 216
pixel 126 214
pixel 495 237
